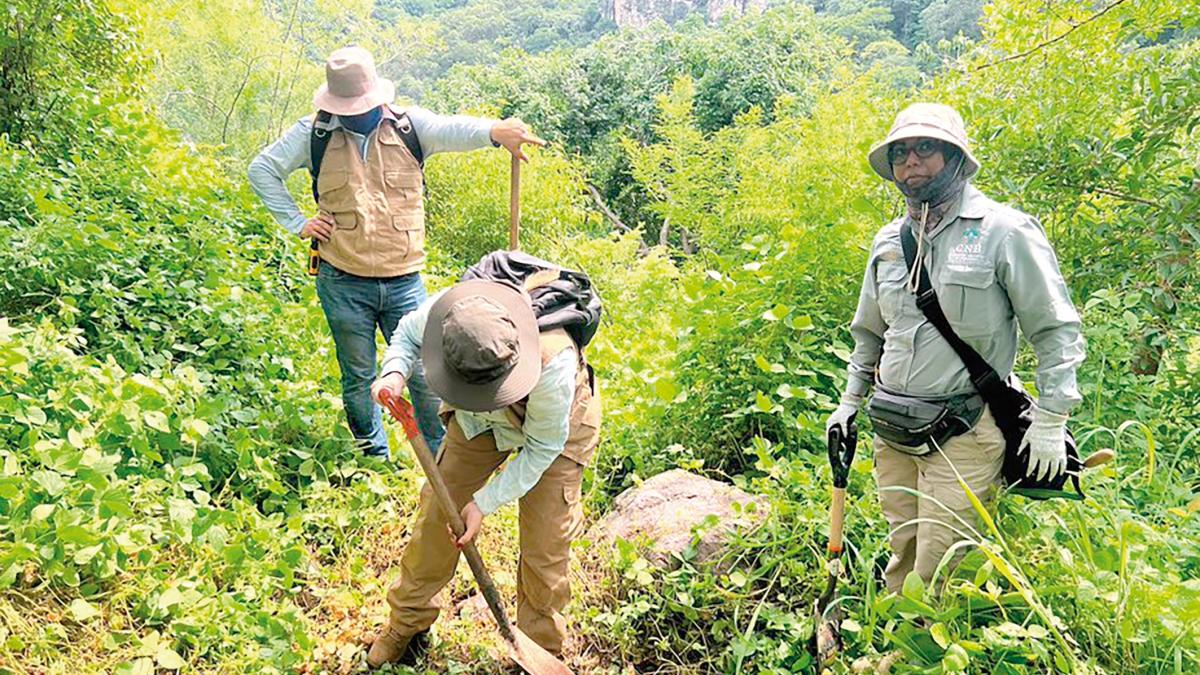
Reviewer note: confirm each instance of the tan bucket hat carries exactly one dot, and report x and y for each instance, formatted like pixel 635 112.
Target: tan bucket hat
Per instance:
pixel 351 85
pixel 928 120
pixel 480 349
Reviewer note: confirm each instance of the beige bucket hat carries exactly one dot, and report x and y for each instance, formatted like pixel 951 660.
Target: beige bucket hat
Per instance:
pixel 351 85
pixel 481 348
pixel 928 120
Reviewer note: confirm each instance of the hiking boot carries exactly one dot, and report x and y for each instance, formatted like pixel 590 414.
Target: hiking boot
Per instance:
pixel 391 646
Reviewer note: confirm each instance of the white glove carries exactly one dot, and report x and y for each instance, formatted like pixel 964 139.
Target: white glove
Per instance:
pixel 1047 442
pixel 844 414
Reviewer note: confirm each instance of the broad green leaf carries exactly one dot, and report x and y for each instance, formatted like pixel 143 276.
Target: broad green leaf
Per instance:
pixel 82 610
pixel 776 313
pixel 762 402
pixel 666 389
pixel 169 598
pixel 50 481
pixel 33 416
pixel 956 659
pixel 197 428
pixel 169 659
pixel 802 322
pixel 84 555
pixel 914 587
pixel 76 534
pixel 939 634
pixel 157 420
pixel 984 573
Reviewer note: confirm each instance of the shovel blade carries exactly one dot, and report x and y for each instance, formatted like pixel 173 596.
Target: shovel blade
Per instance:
pixel 828 638
pixel 532 658
pixel 827 621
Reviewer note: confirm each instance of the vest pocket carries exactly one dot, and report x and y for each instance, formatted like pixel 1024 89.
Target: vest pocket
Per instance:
pixel 331 187
pixel 412 234
pixel 409 180
pixel 345 220
pixel 403 193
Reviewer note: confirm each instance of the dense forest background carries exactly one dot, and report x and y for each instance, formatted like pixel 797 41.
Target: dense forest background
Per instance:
pixel 177 490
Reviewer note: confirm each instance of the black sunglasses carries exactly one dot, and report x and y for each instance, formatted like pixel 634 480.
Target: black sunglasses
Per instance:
pixel 898 152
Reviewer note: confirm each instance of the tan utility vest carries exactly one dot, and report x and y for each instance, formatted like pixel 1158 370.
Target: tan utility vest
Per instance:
pixel 584 434
pixel 378 206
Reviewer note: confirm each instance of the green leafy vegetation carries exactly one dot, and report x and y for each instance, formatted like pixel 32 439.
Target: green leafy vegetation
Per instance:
pixel 178 491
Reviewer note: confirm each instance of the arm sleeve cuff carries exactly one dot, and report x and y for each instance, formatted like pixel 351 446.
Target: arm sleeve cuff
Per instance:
pixel 485 499
pixel 1056 406
pixel 296 225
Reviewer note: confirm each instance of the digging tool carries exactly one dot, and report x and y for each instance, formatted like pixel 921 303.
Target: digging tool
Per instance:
pixel 1099 457
pixel 827 639
pixel 514 206
pixel 523 650
pixel 1075 468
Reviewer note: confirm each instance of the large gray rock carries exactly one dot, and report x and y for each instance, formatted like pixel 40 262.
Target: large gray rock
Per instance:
pixel 665 508
pixel 638 13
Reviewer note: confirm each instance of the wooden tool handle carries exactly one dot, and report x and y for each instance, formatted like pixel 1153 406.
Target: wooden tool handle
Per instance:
pixel 837 516
pixel 402 411
pixel 514 206
pixel 1099 457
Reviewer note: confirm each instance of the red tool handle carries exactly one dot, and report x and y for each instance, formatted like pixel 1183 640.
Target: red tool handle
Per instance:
pixel 402 412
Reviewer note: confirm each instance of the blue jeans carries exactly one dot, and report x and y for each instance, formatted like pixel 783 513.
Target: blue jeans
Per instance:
pixel 355 307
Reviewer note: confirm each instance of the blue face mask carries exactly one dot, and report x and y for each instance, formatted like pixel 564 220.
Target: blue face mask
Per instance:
pixel 364 123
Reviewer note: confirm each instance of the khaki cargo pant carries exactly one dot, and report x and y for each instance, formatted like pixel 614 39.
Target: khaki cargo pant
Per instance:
pixel 978 455
pixel 550 516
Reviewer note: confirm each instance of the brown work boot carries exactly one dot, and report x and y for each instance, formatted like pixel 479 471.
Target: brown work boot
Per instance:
pixel 392 646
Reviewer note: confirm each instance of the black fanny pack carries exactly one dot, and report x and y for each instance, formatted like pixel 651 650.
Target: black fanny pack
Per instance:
pixel 914 425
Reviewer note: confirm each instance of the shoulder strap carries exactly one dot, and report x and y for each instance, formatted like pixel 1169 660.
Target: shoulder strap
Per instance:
pixel 985 378
pixel 408 134
pixel 996 393
pixel 318 139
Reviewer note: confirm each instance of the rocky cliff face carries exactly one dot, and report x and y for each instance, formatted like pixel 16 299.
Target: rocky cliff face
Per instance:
pixel 636 13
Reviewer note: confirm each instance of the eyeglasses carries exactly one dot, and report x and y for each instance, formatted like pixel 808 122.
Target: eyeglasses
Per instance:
pixel 898 152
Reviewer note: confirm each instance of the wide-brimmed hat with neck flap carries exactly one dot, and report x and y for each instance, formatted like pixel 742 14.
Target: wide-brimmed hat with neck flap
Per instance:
pixel 352 86
pixel 480 348
pixel 924 120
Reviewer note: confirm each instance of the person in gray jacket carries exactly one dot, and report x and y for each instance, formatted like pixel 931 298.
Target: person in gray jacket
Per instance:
pixel 993 270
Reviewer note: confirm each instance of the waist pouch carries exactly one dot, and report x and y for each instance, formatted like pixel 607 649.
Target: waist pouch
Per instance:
pixel 913 424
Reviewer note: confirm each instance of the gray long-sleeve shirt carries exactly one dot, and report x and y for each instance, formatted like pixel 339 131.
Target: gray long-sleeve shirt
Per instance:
pixel 992 268
pixel 270 169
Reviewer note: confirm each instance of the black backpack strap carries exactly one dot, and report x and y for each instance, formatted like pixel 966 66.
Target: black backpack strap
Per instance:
pixel 985 378
pixel 408 134
pixel 318 139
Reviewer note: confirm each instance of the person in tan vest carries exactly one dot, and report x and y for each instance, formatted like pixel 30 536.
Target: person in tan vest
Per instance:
pixel 509 391
pixel 370 219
